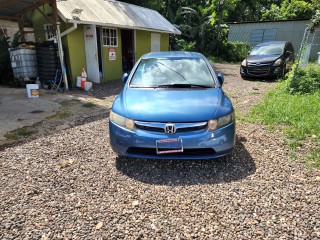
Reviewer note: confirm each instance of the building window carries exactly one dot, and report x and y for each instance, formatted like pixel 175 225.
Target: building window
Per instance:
pixel 110 37
pixel 49 31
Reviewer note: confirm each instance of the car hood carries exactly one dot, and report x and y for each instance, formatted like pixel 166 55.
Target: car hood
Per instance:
pixel 262 58
pixel 172 105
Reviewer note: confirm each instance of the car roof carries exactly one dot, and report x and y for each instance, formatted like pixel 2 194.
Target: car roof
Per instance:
pixel 172 55
pixel 273 43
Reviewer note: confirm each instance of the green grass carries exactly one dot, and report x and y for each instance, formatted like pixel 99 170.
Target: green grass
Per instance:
pixel 313 158
pixel 89 105
pixel 297 115
pixel 60 115
pixel 20 132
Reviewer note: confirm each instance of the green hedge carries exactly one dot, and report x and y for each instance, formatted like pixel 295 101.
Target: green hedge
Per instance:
pixel 234 51
pixel 306 80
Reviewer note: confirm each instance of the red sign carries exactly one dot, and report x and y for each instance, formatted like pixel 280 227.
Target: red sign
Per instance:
pixel 112 54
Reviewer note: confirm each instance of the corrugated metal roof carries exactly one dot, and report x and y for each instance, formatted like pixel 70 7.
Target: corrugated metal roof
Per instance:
pixel 12 9
pixel 115 14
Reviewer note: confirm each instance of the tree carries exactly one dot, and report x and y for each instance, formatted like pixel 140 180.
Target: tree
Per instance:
pixel 289 10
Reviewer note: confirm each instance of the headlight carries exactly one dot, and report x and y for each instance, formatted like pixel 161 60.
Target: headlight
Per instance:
pixel 214 124
pixel 277 63
pixel 122 121
pixel 244 63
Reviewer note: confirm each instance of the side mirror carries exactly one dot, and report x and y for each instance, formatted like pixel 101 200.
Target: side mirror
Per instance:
pixel 125 77
pixel 220 78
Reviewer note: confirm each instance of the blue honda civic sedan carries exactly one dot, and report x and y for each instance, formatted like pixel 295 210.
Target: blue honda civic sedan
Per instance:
pixel 172 107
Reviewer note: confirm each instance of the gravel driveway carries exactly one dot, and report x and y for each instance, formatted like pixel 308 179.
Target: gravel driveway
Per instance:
pixel 72 186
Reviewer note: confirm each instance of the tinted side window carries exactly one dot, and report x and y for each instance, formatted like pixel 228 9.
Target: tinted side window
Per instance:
pixel 292 49
pixel 289 47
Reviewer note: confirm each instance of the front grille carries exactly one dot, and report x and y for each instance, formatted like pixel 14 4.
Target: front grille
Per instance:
pixel 260 64
pixel 148 128
pixel 158 129
pixel 190 129
pixel 259 68
pixel 181 127
pixel 186 152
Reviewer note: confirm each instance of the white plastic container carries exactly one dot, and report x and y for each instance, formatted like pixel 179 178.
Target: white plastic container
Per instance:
pixel 33 90
pixel 87 86
pixel 79 81
pixel 24 63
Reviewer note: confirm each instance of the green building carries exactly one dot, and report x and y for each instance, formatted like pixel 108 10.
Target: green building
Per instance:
pixel 105 37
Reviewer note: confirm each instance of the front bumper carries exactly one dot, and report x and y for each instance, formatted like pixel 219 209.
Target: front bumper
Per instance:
pixel 263 72
pixel 197 144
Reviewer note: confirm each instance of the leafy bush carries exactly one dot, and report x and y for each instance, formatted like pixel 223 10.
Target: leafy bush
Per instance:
pixel 5 66
pixel 234 51
pixel 186 46
pixel 6 73
pixel 4 53
pixel 306 80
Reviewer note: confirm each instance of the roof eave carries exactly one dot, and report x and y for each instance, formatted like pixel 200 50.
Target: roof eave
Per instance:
pixel 119 26
pixel 66 20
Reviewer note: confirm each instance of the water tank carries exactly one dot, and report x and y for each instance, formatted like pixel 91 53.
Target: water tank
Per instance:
pixel 24 63
pixel 48 61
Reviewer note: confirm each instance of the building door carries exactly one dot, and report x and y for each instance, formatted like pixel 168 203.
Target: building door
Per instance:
pixel 127 38
pixel 100 59
pixel 155 42
pixel 90 41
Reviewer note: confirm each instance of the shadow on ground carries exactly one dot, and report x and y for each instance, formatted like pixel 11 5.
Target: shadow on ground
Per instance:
pixel 233 167
pixel 252 79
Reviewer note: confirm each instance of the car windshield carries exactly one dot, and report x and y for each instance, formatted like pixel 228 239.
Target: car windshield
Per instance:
pixel 267 50
pixel 172 72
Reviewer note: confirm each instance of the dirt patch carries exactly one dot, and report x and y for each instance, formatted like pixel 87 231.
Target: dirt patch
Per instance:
pixel 71 109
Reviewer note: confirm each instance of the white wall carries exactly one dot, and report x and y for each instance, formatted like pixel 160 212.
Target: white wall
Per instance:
pixel 12 28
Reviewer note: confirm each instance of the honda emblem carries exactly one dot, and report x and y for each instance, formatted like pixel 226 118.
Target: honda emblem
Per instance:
pixel 170 128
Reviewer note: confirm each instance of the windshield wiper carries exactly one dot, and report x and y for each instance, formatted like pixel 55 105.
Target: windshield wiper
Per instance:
pixel 182 85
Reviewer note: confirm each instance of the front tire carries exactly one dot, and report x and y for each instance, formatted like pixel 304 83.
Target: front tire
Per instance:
pixel 283 71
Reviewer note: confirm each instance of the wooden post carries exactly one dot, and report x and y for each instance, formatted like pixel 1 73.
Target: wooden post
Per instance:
pixel 54 14
pixel 63 66
pixel 21 27
pixel 54 10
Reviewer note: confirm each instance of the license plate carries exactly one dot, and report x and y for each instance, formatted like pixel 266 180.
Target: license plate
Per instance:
pixel 172 145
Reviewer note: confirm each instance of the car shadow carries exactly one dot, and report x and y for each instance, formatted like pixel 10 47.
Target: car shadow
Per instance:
pixel 267 80
pixel 234 167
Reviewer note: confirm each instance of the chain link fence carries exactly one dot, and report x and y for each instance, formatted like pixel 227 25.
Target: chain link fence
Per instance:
pixel 310 47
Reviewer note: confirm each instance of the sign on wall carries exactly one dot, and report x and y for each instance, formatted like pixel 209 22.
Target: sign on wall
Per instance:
pixel 112 54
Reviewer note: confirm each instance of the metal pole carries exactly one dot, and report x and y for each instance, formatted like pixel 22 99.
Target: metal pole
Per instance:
pixel 63 67
pixel 299 55
pixel 220 11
